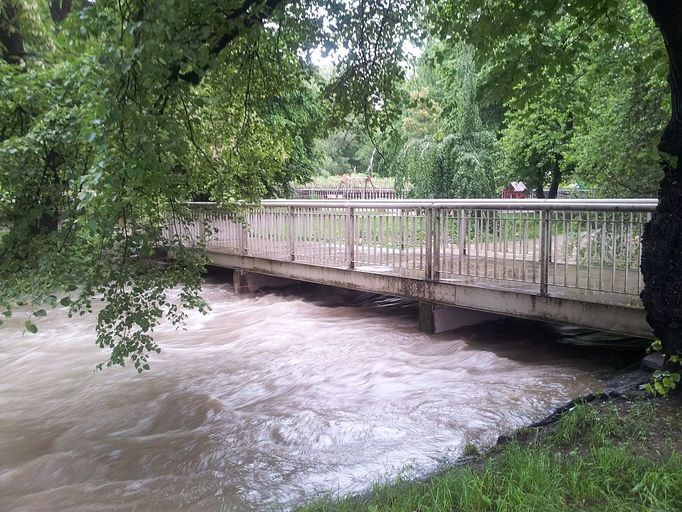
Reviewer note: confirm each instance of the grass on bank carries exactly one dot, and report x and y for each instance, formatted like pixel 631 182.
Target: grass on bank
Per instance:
pixel 617 456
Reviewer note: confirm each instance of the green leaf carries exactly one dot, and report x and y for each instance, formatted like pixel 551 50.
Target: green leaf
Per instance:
pixel 40 313
pixel 66 301
pixel 30 327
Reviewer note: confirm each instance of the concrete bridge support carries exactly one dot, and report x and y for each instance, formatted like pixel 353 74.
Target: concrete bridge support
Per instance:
pixel 436 318
pixel 251 282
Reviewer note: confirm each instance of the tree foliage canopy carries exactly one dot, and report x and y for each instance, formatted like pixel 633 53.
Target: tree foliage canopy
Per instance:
pixel 114 113
pixel 591 73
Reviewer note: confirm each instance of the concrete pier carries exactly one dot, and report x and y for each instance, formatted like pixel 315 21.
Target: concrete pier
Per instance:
pixel 252 282
pixel 436 318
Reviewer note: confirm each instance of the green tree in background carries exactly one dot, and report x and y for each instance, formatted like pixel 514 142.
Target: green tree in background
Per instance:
pixel 594 91
pixel 460 158
pixel 535 142
pixel 623 107
pixel 347 150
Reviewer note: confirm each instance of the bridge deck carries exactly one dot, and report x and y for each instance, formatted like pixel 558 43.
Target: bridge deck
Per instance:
pixel 511 283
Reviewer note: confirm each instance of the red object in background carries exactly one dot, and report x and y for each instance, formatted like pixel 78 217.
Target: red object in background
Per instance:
pixel 515 190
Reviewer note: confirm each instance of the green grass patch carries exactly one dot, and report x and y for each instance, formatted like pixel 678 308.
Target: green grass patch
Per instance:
pixel 592 459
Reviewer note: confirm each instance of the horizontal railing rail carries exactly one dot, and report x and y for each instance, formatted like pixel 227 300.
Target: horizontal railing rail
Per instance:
pixel 546 245
pixel 495 204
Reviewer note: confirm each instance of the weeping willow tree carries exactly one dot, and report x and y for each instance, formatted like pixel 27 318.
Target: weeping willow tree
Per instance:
pixel 459 160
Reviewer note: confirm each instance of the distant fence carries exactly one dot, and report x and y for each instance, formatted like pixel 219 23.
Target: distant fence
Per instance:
pixel 565 193
pixel 346 193
pixel 354 192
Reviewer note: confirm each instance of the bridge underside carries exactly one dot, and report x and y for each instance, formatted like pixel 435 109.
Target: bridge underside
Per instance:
pixel 601 313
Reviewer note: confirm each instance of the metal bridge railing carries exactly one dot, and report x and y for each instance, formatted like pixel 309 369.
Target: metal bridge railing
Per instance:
pixel 581 244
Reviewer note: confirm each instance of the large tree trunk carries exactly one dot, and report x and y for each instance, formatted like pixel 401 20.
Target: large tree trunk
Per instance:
pixel 662 241
pixel 662 265
pixel 540 192
pixel 554 185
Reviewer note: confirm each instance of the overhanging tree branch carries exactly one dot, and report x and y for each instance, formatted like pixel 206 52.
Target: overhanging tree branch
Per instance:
pixel 249 15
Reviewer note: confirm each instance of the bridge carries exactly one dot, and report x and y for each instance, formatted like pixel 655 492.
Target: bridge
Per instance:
pixel 568 261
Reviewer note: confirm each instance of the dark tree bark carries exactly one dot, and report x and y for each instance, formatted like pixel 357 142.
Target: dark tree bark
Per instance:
pixel 662 240
pixel 554 185
pixel 540 192
pixel 10 36
pixel 59 10
pixel 250 13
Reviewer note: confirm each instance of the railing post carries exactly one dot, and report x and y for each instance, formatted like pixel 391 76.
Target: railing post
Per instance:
pixel 244 237
pixel 350 237
pixel 428 240
pixel 201 231
pixel 544 251
pixel 402 233
pixel 462 240
pixel 292 234
pixel 436 245
pixel 239 227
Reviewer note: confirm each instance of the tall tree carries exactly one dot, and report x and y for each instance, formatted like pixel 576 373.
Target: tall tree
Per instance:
pixel 535 142
pixel 621 106
pixel 460 158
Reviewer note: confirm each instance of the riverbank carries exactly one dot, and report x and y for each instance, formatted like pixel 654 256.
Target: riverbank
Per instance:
pixel 623 454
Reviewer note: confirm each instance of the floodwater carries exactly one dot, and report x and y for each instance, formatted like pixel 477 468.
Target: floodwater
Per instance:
pixel 267 401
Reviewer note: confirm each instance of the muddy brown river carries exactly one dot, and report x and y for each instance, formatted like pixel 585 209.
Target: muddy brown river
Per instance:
pixel 267 401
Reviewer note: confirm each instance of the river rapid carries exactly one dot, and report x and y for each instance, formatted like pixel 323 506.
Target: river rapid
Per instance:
pixel 267 401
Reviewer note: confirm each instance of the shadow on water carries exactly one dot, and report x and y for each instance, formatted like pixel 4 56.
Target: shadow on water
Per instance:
pixel 528 341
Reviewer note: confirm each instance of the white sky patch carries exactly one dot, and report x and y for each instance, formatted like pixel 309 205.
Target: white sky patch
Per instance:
pixel 327 62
